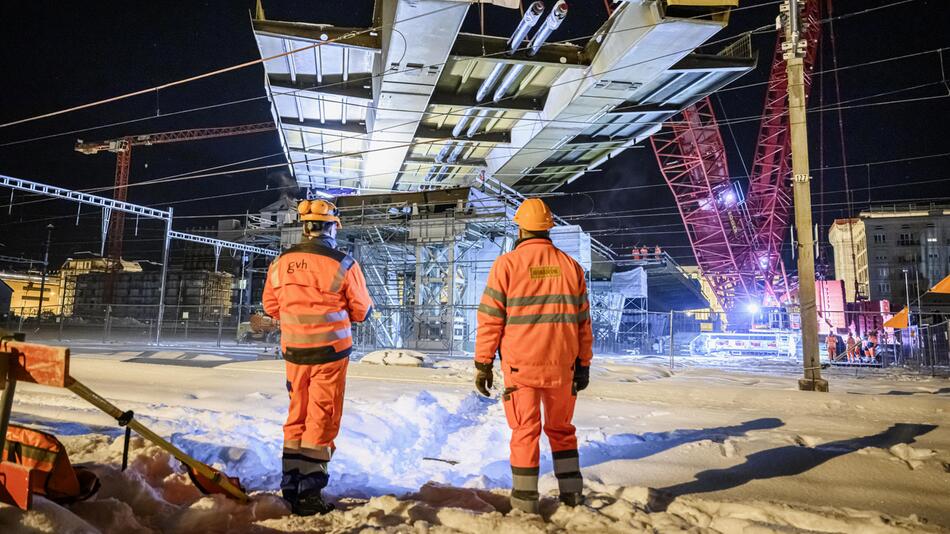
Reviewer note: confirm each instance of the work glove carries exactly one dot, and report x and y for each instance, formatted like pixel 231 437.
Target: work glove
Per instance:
pixel 483 378
pixel 581 376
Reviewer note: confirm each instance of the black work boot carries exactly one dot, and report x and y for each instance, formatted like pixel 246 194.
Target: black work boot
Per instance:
pixel 572 499
pixel 311 504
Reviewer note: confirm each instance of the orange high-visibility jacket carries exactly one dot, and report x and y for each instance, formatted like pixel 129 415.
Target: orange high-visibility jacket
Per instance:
pixel 535 308
pixel 316 291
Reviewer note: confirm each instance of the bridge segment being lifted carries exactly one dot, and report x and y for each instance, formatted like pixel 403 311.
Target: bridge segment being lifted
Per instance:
pixel 412 103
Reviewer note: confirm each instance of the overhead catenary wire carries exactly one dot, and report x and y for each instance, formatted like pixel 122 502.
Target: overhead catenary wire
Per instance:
pixel 437 141
pixel 598 215
pixel 897 3
pixel 663 184
pixel 938 51
pixel 304 49
pixel 210 74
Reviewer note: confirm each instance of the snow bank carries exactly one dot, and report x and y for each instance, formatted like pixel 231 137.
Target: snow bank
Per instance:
pixel 136 501
pixel 420 452
pixel 404 357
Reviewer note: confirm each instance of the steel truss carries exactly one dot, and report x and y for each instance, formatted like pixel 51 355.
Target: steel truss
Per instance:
pixel 109 204
pixel 770 188
pixel 692 156
pixel 426 264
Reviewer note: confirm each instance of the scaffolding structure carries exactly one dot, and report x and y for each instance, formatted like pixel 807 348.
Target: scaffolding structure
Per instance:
pixel 426 257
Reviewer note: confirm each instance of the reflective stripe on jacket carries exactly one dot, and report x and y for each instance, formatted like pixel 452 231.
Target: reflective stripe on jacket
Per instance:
pixel 316 291
pixel 53 476
pixel 535 308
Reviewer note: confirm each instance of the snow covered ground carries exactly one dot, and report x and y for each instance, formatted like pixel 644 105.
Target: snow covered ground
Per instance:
pixel 713 448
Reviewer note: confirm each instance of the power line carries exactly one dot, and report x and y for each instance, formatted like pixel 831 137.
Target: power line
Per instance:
pixel 216 72
pixel 322 159
pixel 363 152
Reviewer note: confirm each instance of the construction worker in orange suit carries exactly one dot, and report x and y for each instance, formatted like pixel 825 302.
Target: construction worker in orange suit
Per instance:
pixel 316 292
pixel 831 345
pixel 852 347
pixel 535 310
pixel 872 345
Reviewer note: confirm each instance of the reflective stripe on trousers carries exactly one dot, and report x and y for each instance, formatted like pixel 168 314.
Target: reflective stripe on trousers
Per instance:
pixel 567 469
pixel 524 488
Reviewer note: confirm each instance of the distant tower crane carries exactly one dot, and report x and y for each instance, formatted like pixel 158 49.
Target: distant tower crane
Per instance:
pixel 122 148
pixel 737 245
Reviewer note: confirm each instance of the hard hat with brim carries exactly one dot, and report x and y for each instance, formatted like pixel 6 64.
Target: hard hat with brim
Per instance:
pixel 319 210
pixel 534 215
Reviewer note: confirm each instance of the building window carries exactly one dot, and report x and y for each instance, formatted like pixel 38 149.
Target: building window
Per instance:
pixel 880 257
pixel 884 287
pixel 882 272
pixel 906 240
pixel 880 239
pixel 932 239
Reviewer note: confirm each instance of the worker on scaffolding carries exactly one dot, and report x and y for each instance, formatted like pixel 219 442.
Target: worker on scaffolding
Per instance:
pixel 316 292
pixel 535 309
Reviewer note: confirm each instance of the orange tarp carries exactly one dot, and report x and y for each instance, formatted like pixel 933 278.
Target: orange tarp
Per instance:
pixel 898 321
pixel 942 286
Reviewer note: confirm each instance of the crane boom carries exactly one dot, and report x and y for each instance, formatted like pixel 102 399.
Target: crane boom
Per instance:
pixel 122 148
pixel 738 250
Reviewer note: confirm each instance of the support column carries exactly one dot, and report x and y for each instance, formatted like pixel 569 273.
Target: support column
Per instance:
pixel 161 291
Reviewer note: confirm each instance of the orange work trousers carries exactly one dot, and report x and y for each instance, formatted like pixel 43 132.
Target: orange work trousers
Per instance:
pixel 316 406
pixel 523 411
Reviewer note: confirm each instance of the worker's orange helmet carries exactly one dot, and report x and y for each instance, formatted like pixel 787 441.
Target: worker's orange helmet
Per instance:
pixel 319 210
pixel 534 215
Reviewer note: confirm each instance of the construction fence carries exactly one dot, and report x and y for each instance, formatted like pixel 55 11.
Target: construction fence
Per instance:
pixel 676 338
pixel 114 323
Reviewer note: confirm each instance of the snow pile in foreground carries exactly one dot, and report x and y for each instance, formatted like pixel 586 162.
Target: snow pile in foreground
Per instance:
pixel 154 496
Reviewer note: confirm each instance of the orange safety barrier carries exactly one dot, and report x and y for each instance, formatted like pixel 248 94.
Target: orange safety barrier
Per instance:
pixel 35 463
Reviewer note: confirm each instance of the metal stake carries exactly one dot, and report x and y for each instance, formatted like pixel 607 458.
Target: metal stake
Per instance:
pixel 671 340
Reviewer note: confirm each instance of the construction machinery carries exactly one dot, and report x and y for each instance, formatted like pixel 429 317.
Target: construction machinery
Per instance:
pixel 122 148
pixel 258 327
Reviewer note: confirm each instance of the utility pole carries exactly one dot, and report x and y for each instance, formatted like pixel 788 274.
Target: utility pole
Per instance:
pixel 39 306
pixel 794 49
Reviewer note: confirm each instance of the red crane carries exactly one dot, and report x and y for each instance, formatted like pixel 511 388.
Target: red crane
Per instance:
pixel 737 249
pixel 770 188
pixel 692 156
pixel 122 147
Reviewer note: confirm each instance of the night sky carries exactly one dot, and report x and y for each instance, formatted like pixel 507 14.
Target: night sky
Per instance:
pixel 54 57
